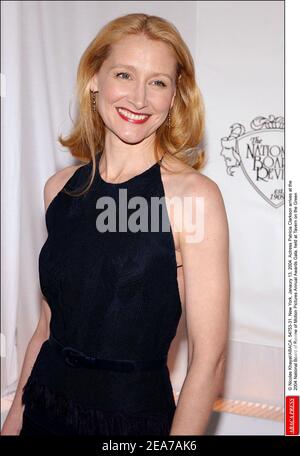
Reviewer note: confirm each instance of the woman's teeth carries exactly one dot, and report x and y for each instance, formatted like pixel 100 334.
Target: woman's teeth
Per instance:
pixel 130 115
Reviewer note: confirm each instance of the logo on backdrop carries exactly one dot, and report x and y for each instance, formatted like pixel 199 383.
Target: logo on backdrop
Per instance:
pixel 260 154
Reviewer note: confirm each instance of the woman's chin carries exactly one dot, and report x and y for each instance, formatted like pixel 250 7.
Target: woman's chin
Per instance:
pixel 130 137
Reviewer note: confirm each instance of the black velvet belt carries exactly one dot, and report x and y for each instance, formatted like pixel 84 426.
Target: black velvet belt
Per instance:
pixel 75 358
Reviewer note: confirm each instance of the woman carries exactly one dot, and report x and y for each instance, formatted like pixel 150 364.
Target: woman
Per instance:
pixel 113 298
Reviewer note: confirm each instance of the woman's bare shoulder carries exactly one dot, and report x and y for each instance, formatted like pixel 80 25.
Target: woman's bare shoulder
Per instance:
pixel 56 182
pixel 186 180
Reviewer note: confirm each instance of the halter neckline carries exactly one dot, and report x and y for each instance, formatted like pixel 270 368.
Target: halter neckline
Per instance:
pixel 128 181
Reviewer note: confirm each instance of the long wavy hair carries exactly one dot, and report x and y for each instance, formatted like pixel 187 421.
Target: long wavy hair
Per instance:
pixel 183 139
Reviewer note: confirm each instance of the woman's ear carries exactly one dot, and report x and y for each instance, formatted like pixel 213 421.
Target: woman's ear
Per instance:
pixel 94 83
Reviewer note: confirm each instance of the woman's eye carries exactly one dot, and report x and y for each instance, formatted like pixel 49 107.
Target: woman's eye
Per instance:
pixel 160 83
pixel 118 74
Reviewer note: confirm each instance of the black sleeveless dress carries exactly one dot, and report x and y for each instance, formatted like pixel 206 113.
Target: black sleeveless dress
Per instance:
pixel 113 295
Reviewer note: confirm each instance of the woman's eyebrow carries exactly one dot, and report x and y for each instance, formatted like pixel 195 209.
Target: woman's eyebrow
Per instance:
pixel 131 67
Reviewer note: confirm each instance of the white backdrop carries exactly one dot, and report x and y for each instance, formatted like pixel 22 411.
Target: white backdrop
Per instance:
pixel 238 52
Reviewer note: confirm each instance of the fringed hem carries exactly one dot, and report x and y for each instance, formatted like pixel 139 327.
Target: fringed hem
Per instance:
pixel 86 421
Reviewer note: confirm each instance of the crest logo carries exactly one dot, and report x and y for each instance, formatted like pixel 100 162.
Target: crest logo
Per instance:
pixel 260 154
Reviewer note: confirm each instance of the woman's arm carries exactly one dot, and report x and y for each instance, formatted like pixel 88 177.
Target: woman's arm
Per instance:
pixel 205 257
pixel 13 422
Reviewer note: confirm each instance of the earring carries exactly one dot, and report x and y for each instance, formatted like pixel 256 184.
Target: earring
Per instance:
pixel 94 99
pixel 169 120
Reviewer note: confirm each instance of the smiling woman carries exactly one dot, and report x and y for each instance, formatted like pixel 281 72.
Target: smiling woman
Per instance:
pixel 116 295
pixel 141 100
pixel 138 64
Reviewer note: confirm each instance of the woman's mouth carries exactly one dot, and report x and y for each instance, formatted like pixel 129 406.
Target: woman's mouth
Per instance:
pixel 133 118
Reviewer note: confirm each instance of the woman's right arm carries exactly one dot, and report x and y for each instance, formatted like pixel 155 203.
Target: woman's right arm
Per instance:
pixel 13 422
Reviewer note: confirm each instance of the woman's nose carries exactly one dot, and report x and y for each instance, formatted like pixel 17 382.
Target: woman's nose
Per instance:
pixel 138 96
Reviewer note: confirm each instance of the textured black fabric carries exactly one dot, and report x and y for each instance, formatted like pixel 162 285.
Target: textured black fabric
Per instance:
pixel 31 428
pixel 113 295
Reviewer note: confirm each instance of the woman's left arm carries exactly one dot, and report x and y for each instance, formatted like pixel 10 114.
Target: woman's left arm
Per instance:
pixel 205 258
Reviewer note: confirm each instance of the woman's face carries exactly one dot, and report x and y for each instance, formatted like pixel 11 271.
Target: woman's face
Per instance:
pixel 139 76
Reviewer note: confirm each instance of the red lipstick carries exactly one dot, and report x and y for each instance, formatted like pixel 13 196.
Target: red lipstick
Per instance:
pixel 128 119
